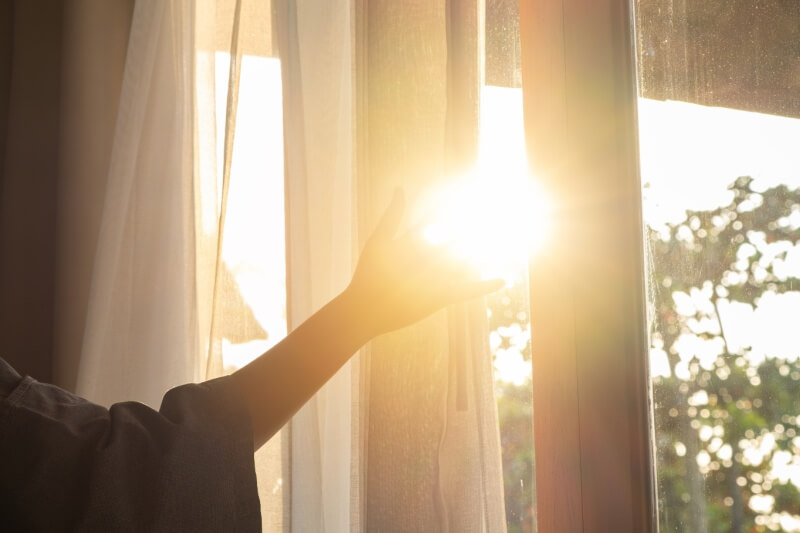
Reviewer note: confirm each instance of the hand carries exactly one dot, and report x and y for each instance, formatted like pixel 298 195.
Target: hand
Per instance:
pixel 399 281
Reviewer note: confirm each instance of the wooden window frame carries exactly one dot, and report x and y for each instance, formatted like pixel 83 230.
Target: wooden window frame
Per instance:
pixel 592 402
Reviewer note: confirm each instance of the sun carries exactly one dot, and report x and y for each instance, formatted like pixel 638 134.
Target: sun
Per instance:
pixel 495 225
pixel 497 217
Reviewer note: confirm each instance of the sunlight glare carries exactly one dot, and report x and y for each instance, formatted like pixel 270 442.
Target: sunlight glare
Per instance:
pixel 497 217
pixel 494 225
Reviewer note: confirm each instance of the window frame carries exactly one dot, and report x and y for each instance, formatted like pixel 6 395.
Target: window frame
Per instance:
pixel 591 395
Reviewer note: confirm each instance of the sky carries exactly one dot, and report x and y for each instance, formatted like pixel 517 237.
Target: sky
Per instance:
pixel 689 156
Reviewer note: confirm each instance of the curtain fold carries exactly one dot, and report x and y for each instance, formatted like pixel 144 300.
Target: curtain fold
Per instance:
pixel 432 456
pixel 316 53
pixel 156 289
pixel 390 434
pixel 137 341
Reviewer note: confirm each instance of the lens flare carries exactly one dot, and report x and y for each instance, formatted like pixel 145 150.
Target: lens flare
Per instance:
pixel 495 225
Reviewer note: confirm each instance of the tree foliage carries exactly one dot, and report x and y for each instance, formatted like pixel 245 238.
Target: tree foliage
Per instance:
pixel 508 322
pixel 726 417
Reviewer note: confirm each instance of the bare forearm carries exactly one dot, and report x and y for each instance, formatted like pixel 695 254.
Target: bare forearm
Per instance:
pixel 280 381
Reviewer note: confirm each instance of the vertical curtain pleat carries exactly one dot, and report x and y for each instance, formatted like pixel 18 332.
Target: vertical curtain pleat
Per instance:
pixel 405 440
pixel 214 359
pixel 156 293
pixel 162 299
pixel 402 102
pixel 432 446
pixel 316 53
pixel 470 472
pixel 137 341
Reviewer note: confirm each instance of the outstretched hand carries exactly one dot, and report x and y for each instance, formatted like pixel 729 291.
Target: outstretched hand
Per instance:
pixel 398 281
pixel 401 280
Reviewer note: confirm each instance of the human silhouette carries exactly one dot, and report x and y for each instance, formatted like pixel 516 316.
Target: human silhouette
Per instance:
pixel 68 464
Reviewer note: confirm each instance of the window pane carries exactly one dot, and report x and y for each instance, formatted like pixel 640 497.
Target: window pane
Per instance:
pixel 502 162
pixel 502 147
pixel 719 126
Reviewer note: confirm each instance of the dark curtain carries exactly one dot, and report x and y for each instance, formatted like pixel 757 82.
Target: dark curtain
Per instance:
pixel 61 68
pixel 30 72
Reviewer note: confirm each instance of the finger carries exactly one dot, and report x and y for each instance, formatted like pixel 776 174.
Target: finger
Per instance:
pixel 391 218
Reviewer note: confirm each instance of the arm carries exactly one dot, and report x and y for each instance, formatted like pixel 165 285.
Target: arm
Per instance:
pixel 398 281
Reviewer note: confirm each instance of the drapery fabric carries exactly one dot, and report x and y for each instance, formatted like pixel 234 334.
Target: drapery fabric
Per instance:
pixel 123 355
pixel 376 94
pixel 158 282
pixel 315 41
pixel 140 337
pixel 379 95
pixel 30 38
pixel 432 456
pixel 161 300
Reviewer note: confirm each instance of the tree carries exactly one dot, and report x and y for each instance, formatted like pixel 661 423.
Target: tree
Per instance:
pixel 725 416
pixel 508 321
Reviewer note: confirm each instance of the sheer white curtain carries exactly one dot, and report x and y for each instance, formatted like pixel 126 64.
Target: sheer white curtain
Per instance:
pixel 155 288
pixel 433 453
pixel 141 335
pixel 380 94
pixel 317 55
pixel 376 94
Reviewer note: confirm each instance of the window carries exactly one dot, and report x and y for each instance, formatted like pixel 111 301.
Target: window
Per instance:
pixel 719 127
pixel 717 136
pixel 589 350
pixel 502 158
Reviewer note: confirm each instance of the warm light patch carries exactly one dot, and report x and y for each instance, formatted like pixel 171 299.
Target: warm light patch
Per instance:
pixel 493 224
pixel 497 217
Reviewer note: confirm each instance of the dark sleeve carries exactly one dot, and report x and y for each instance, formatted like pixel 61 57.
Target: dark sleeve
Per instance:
pixel 67 464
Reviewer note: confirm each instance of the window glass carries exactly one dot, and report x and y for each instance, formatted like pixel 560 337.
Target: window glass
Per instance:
pixel 253 252
pixel 502 162
pixel 502 159
pixel 719 127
